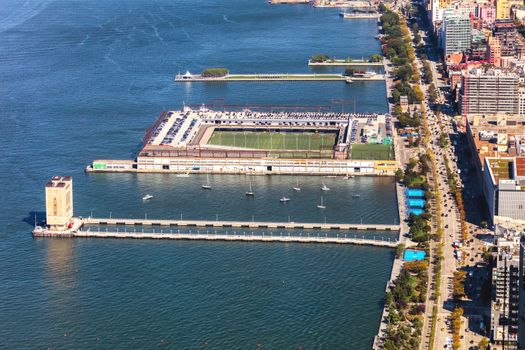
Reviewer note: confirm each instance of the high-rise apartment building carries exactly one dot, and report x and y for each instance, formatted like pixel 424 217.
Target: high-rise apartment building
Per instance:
pixel 489 92
pixel 503 9
pixel 456 33
pixel 506 292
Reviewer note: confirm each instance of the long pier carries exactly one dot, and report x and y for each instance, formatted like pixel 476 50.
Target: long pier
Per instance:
pixel 238 224
pixel 217 237
pixel 274 77
pixel 262 77
pixel 341 62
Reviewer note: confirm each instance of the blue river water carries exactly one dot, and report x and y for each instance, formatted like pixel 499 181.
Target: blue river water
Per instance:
pixel 81 80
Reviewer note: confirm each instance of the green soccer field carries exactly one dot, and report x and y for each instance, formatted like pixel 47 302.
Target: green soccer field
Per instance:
pixel 274 140
pixel 371 152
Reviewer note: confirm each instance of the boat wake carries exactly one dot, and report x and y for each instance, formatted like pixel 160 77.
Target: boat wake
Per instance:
pixel 226 19
pixel 26 11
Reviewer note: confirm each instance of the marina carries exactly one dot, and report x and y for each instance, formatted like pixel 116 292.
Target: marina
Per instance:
pixel 62 223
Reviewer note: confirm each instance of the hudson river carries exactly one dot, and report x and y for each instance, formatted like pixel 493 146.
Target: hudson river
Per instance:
pixel 81 80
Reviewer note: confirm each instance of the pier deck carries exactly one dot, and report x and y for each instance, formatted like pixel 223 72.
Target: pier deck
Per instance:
pixel 273 77
pixel 216 237
pixel 239 224
pixel 341 62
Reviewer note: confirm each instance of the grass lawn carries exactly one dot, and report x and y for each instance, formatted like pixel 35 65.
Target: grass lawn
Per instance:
pixel 371 152
pixel 274 140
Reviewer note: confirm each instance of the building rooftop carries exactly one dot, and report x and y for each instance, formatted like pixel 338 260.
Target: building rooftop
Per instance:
pixel 520 166
pixel 501 168
pixel 497 136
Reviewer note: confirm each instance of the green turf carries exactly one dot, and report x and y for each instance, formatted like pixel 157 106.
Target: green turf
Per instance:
pixel 274 140
pixel 371 152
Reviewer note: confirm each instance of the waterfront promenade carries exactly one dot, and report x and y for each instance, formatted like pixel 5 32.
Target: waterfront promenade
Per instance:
pixel 237 224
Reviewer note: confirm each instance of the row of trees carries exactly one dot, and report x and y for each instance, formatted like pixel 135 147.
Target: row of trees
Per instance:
pixel 398 48
pixel 215 72
pixel 455 320
pixel 405 304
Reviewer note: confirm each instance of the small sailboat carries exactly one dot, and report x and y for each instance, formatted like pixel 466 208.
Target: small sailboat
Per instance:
pixel 296 187
pixel 284 199
pixel 325 188
pixel 250 192
pixel 147 197
pixel 356 195
pixel 321 206
pixel 207 186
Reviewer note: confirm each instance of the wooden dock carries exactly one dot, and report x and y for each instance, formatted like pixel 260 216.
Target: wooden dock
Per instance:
pixel 218 237
pixel 238 224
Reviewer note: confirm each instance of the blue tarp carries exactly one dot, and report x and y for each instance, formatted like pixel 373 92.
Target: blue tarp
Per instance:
pixel 415 193
pixel 414 255
pixel 416 203
pixel 415 211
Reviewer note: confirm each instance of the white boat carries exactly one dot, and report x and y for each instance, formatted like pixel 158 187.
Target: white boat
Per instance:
pixel 284 199
pixel 207 186
pixel 184 175
pixel 296 187
pixel 357 195
pixel 147 197
pixel 325 188
pixel 321 206
pixel 250 192
pixel 352 176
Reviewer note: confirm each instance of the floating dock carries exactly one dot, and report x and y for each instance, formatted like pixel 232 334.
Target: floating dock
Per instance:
pixel 237 224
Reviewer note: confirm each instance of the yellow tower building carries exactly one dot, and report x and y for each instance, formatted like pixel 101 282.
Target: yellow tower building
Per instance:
pixel 503 9
pixel 59 202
